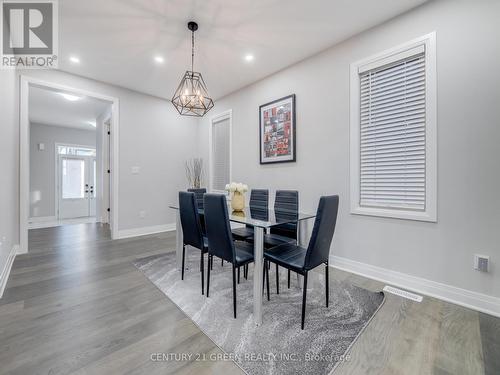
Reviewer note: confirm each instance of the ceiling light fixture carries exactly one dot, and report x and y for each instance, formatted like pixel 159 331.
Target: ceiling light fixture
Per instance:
pixel 71 98
pixel 159 59
pixel 74 60
pixel 191 97
pixel 249 58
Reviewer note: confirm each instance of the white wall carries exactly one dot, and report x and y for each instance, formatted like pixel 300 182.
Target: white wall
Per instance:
pixel 468 60
pixel 9 159
pixel 42 163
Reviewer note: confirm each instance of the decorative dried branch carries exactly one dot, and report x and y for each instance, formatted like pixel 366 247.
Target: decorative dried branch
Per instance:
pixel 194 172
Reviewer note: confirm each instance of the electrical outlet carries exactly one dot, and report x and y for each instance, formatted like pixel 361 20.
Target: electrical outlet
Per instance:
pixel 142 214
pixel 481 262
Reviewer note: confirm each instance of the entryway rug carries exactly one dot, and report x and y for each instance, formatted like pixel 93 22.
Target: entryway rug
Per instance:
pixel 278 346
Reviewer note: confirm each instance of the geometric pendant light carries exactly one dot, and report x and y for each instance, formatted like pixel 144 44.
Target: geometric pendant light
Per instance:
pixel 191 97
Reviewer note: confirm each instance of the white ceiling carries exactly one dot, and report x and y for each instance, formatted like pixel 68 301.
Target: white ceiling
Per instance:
pixel 51 108
pixel 116 40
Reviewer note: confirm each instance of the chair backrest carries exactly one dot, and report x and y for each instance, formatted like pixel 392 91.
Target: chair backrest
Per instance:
pixel 258 213
pixel 220 238
pixel 199 196
pixel 259 202
pixel 190 220
pixel 286 200
pixel 318 250
pixel 259 198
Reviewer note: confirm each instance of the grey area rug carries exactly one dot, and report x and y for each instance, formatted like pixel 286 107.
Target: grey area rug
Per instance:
pixel 278 346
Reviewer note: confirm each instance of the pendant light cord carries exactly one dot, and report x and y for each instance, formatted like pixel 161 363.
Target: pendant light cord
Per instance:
pixel 192 52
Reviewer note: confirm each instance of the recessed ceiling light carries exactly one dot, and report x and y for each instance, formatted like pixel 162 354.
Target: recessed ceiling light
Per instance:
pixel 74 60
pixel 249 57
pixel 159 59
pixel 71 98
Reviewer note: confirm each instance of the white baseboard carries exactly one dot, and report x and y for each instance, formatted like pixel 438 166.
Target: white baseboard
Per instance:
pixel 51 221
pixel 41 221
pixel 4 276
pixel 144 231
pixel 463 297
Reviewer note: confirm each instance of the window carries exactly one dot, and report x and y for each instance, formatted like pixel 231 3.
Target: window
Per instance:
pixel 220 152
pixel 75 150
pixel 393 133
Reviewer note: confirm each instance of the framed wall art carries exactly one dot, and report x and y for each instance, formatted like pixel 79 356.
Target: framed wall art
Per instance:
pixel 277 131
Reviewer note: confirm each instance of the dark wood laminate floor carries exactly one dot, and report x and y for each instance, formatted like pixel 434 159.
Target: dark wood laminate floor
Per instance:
pixel 76 304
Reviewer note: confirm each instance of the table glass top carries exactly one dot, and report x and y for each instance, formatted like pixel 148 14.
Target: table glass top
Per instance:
pixel 258 217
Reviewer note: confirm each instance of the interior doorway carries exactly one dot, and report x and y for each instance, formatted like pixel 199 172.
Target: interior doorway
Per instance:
pixel 68 157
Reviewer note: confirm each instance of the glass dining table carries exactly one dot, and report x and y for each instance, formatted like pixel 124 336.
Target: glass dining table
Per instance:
pixel 261 220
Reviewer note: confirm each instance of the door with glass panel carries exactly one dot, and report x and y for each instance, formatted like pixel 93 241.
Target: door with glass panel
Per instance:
pixel 76 182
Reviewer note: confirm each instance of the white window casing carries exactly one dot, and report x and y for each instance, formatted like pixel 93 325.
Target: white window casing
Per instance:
pixel 393 158
pixel 220 152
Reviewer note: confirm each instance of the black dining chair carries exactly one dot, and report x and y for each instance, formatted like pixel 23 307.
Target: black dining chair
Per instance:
pixel 301 260
pixel 286 206
pixel 191 230
pixel 259 200
pixel 220 239
pixel 199 193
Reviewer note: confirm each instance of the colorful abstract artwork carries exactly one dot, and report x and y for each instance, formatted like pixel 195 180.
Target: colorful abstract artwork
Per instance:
pixel 277 131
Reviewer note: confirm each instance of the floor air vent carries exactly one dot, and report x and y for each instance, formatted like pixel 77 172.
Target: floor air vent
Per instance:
pixel 403 293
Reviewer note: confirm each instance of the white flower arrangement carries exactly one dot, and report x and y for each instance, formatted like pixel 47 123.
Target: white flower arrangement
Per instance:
pixel 236 187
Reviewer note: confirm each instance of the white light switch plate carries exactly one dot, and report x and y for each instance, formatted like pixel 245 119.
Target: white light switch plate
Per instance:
pixel 136 170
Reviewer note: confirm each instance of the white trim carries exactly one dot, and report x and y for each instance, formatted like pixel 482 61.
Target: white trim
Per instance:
pixel 41 219
pixel 24 144
pixel 430 213
pixel 220 117
pixel 463 297
pixel 4 276
pixel 58 223
pixel 144 231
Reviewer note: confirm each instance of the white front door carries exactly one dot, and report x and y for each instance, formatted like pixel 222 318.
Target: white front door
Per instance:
pixel 76 186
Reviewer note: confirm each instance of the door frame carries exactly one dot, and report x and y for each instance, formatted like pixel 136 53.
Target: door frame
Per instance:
pixel 24 151
pixel 57 181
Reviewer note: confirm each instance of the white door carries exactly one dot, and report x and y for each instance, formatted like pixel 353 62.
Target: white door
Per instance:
pixel 76 186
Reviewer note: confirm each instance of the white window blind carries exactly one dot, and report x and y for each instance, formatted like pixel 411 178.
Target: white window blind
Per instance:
pixel 220 154
pixel 393 132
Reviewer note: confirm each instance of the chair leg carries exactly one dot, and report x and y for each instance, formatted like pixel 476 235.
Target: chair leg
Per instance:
pixel 277 279
pixel 208 273
pixel 304 295
pixel 222 262
pixel 267 281
pixel 202 266
pixel 212 263
pixel 238 275
pixel 326 284
pixel 183 257
pixel 264 267
pixel 246 271
pixel 288 279
pixel 234 291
